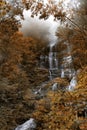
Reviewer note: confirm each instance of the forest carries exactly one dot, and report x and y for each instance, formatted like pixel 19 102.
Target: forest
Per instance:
pixel 43 65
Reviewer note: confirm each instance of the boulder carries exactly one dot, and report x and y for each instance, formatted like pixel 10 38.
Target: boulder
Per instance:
pixel 28 125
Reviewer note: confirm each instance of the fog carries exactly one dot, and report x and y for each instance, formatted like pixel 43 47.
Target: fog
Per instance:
pixel 39 28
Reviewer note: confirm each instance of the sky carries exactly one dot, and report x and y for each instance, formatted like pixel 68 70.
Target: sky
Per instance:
pixel 38 27
pixel 43 28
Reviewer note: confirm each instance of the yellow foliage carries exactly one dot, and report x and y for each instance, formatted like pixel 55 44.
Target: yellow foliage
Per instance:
pixel 63 108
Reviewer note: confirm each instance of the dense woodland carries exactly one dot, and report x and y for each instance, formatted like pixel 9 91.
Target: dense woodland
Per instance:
pixel 20 72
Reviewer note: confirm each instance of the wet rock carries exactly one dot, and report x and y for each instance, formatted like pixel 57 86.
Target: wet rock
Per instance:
pixel 28 125
pixel 56 84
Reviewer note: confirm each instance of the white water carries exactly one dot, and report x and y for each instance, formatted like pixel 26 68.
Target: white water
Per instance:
pixel 62 73
pixel 73 83
pixel 62 68
pixel 51 58
pixel 56 60
pixel 55 87
pixel 67 67
pixel 53 61
pixel 50 61
pixel 50 75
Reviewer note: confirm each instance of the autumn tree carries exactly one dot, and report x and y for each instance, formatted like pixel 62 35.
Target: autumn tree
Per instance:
pixel 73 21
pixel 19 54
pixel 74 33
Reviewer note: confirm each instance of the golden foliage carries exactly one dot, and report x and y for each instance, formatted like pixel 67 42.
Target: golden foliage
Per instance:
pixel 59 110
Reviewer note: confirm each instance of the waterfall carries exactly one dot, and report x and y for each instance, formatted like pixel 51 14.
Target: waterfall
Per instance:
pixel 62 73
pixel 49 60
pixel 53 61
pixel 67 68
pixel 56 60
pixel 50 75
pixel 73 83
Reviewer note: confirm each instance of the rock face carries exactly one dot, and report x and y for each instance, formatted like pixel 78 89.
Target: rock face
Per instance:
pixel 28 125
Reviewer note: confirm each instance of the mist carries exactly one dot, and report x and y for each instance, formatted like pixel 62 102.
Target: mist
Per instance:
pixel 38 28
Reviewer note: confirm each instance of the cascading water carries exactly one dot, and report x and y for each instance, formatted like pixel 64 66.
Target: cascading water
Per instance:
pixel 50 60
pixel 73 83
pixel 67 69
pixel 62 73
pixel 53 61
pixel 62 67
